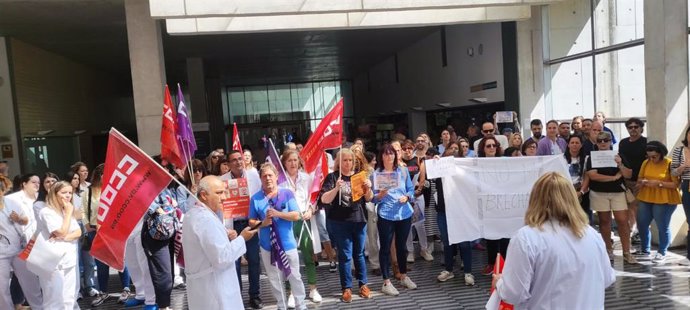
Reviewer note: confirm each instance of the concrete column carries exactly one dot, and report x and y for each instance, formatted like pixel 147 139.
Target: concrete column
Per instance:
pixel 530 69
pixel 417 122
pixel 666 69
pixel 148 72
pixel 666 79
pixel 9 131
pixel 198 105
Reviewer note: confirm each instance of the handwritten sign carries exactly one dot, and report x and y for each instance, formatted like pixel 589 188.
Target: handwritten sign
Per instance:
pixel 603 159
pixel 441 167
pixel 357 184
pixel 237 203
pixel 490 195
pixel 504 117
pixel 386 180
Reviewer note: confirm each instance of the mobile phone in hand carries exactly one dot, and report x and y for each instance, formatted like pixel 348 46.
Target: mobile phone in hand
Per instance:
pixel 257 225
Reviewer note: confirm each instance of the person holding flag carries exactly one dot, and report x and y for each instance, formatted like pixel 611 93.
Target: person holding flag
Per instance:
pixel 237 171
pixel 211 251
pixel 299 183
pixel 273 209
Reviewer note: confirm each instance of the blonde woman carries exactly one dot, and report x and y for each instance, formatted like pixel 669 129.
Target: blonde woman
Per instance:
pixel 248 160
pixel 58 224
pixel 555 253
pixel 516 141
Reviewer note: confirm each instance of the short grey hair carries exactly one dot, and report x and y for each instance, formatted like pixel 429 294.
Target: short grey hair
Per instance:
pixel 267 166
pixel 604 135
pixel 205 183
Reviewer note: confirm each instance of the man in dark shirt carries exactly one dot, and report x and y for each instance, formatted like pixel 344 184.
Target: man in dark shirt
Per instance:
pixel 634 150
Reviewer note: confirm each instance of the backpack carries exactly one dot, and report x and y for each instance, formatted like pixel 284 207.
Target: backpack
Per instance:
pixel 162 226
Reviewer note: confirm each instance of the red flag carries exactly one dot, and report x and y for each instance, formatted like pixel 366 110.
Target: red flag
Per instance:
pixel 131 181
pixel 498 269
pixel 236 145
pixel 319 175
pixel 169 148
pixel 328 135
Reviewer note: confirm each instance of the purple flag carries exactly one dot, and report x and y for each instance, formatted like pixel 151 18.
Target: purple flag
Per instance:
pixel 272 157
pixel 185 134
pixel 278 256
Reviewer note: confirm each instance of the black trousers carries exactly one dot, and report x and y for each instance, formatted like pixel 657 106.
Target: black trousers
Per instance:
pixel 494 246
pixel 160 259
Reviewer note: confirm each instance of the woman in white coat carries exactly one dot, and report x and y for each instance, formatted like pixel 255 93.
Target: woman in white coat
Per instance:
pixel 19 224
pixel 557 260
pixel 57 223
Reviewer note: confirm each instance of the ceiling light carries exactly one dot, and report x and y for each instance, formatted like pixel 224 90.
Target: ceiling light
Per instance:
pixel 443 104
pixel 418 108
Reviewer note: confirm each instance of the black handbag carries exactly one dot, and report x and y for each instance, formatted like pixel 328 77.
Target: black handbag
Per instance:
pixel 85 240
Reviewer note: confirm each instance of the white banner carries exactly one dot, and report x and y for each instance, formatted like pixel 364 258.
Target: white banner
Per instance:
pixel 488 197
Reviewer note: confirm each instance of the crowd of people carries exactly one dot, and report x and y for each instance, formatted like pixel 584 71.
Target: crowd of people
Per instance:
pixel 361 231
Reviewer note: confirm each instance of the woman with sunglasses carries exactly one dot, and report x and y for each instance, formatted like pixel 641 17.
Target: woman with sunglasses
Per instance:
pixel 213 163
pixel 395 218
pixel 465 148
pixel 489 147
pixel 658 199
pixel 680 166
pixel 415 166
pixel 607 195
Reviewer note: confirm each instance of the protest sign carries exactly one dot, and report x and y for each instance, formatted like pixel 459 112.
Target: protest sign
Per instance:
pixel 504 117
pixel 237 203
pixel 603 159
pixel 386 180
pixel 357 184
pixel 440 167
pixel 490 195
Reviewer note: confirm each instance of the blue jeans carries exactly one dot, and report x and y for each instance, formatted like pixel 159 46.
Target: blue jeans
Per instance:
pixel 253 259
pixel 387 230
pixel 89 263
pixel 349 239
pixel 449 250
pixel 104 274
pixel 661 214
pixel 686 208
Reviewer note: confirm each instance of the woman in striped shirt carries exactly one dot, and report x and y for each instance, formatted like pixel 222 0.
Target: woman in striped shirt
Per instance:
pixel 680 166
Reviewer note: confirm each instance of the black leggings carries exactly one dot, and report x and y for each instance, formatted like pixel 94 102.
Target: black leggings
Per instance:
pixel 160 258
pixel 493 246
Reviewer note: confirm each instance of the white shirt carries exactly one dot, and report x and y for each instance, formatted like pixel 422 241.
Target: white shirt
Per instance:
pixel 11 231
pixel 300 189
pixel 210 262
pixel 253 181
pixel 52 221
pixel 553 269
pixel 20 200
pixel 502 140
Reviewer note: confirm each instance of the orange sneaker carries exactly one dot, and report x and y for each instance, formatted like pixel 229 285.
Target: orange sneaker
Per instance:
pixel 347 295
pixel 364 292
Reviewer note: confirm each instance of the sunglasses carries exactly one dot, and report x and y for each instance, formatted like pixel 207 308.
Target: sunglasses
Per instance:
pixel 408 148
pixel 491 146
pixel 488 131
pixel 603 140
pixel 216 156
pixel 633 127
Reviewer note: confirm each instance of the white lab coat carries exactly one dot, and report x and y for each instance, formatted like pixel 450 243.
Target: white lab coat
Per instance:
pixel 210 262
pixel 553 269
pixel 59 288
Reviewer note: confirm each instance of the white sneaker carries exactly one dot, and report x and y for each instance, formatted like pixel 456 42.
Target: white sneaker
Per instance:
pixel 315 296
pixel 445 276
pixel 92 292
pixel 407 282
pixel 469 279
pixel 389 290
pixel 291 302
pixel 659 258
pixel 427 257
pixel 410 257
pixel 684 262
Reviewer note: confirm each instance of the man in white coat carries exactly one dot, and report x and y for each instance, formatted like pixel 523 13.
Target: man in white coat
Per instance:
pixel 210 251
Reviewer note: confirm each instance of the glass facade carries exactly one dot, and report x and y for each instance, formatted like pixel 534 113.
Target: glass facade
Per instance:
pixel 284 112
pixel 594 60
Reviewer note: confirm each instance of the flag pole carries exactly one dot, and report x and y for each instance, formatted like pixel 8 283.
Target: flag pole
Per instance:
pixel 340 171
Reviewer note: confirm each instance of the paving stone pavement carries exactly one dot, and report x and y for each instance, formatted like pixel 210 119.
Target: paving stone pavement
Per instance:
pixel 643 286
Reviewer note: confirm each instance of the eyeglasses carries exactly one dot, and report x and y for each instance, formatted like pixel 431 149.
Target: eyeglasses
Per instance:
pixel 216 156
pixel 408 148
pixel 533 146
pixel 488 131
pixel 491 146
pixel 603 140
pixel 633 127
